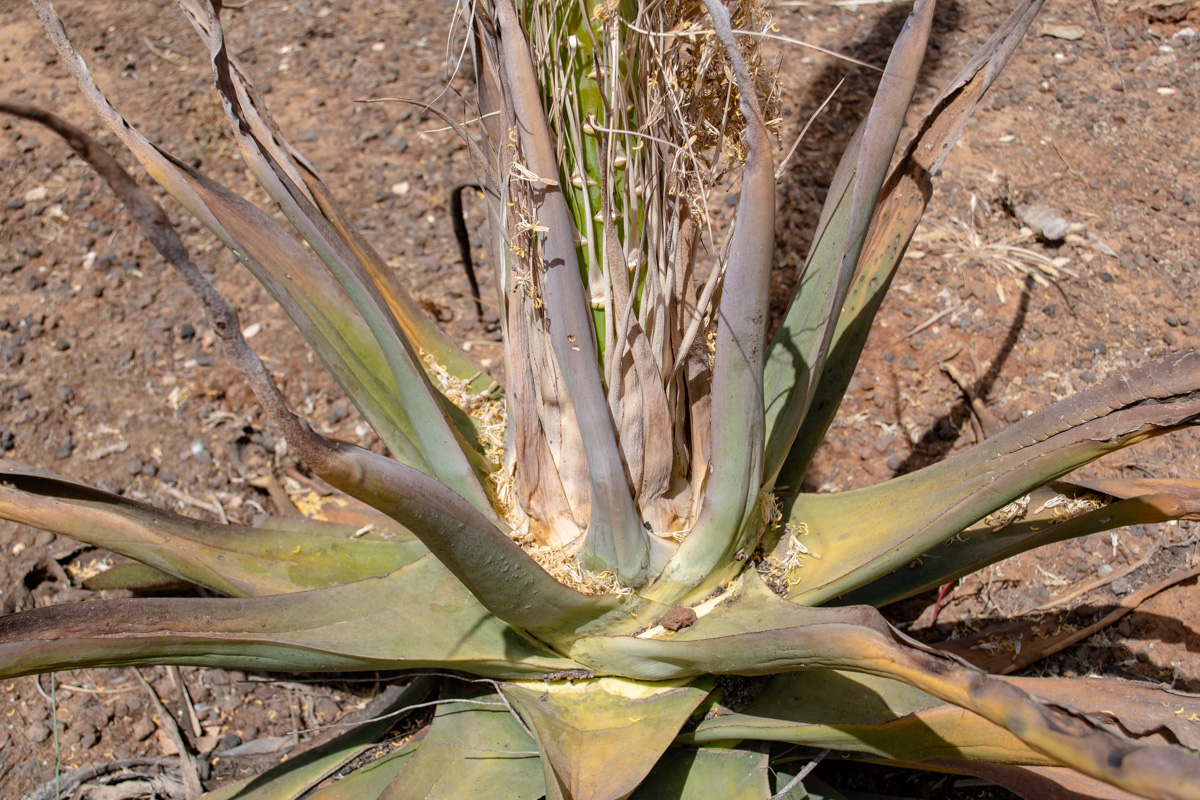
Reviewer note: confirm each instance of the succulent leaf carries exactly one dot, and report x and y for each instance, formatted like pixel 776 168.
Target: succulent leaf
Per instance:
pixel 300 773
pixel 475 747
pixel 689 774
pixel 233 560
pixel 1053 513
pixel 599 738
pixel 869 532
pixel 351 627
pixel 802 346
pixel 902 203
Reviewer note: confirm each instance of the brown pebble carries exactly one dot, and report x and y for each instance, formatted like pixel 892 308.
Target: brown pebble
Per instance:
pixel 678 618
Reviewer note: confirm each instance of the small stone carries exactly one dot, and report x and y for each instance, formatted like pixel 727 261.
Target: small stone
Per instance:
pixel 1172 321
pixel 103 263
pixel 1087 376
pixel 16 204
pixel 142 729
pixel 7 442
pixel 187 332
pixel 1120 587
pixel 678 618
pixel 85 735
pixel 144 299
pixel 22 394
pixel 1098 348
pixel 894 463
pixel 326 710
pixel 1106 277
pixel 338 412
pixel 149 470
pixel 64 451
pixel 134 465
pixel 66 394
pixel 1104 570
pixel 168 476
pixel 37 733
pixel 35 282
pixel 62 345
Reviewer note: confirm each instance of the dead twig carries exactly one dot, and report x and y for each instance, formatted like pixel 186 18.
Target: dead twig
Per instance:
pixel 195 502
pixel 174 59
pixel 69 781
pixel 189 773
pixel 932 320
pixel 185 700
pixel 1034 654
pixel 989 423
pixel 1067 598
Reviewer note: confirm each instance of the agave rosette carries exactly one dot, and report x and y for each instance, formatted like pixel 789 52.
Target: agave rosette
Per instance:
pixel 620 547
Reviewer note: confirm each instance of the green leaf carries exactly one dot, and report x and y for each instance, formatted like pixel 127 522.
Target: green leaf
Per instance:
pixel 686 774
pixel 615 538
pixel 475 748
pixel 298 774
pixel 440 442
pixel 750 631
pixel 137 578
pixel 801 348
pixel 704 558
pixel 368 782
pixel 866 714
pixel 1052 513
pixel 231 559
pixel 417 617
pixel 600 738
pixel 314 301
pixel 864 534
pixel 901 206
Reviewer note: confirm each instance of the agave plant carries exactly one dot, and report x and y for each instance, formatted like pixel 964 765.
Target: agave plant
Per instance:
pixel 610 540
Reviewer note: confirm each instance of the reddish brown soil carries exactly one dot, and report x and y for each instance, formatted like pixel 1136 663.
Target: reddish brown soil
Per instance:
pixel 109 374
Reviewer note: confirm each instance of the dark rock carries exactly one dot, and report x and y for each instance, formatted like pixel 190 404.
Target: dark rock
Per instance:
pixel 35 282
pixel 22 394
pixel 16 204
pixel 187 332
pixel 1097 348
pixel 84 735
pixel 62 345
pixel 66 394
pixel 13 355
pixel 64 451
